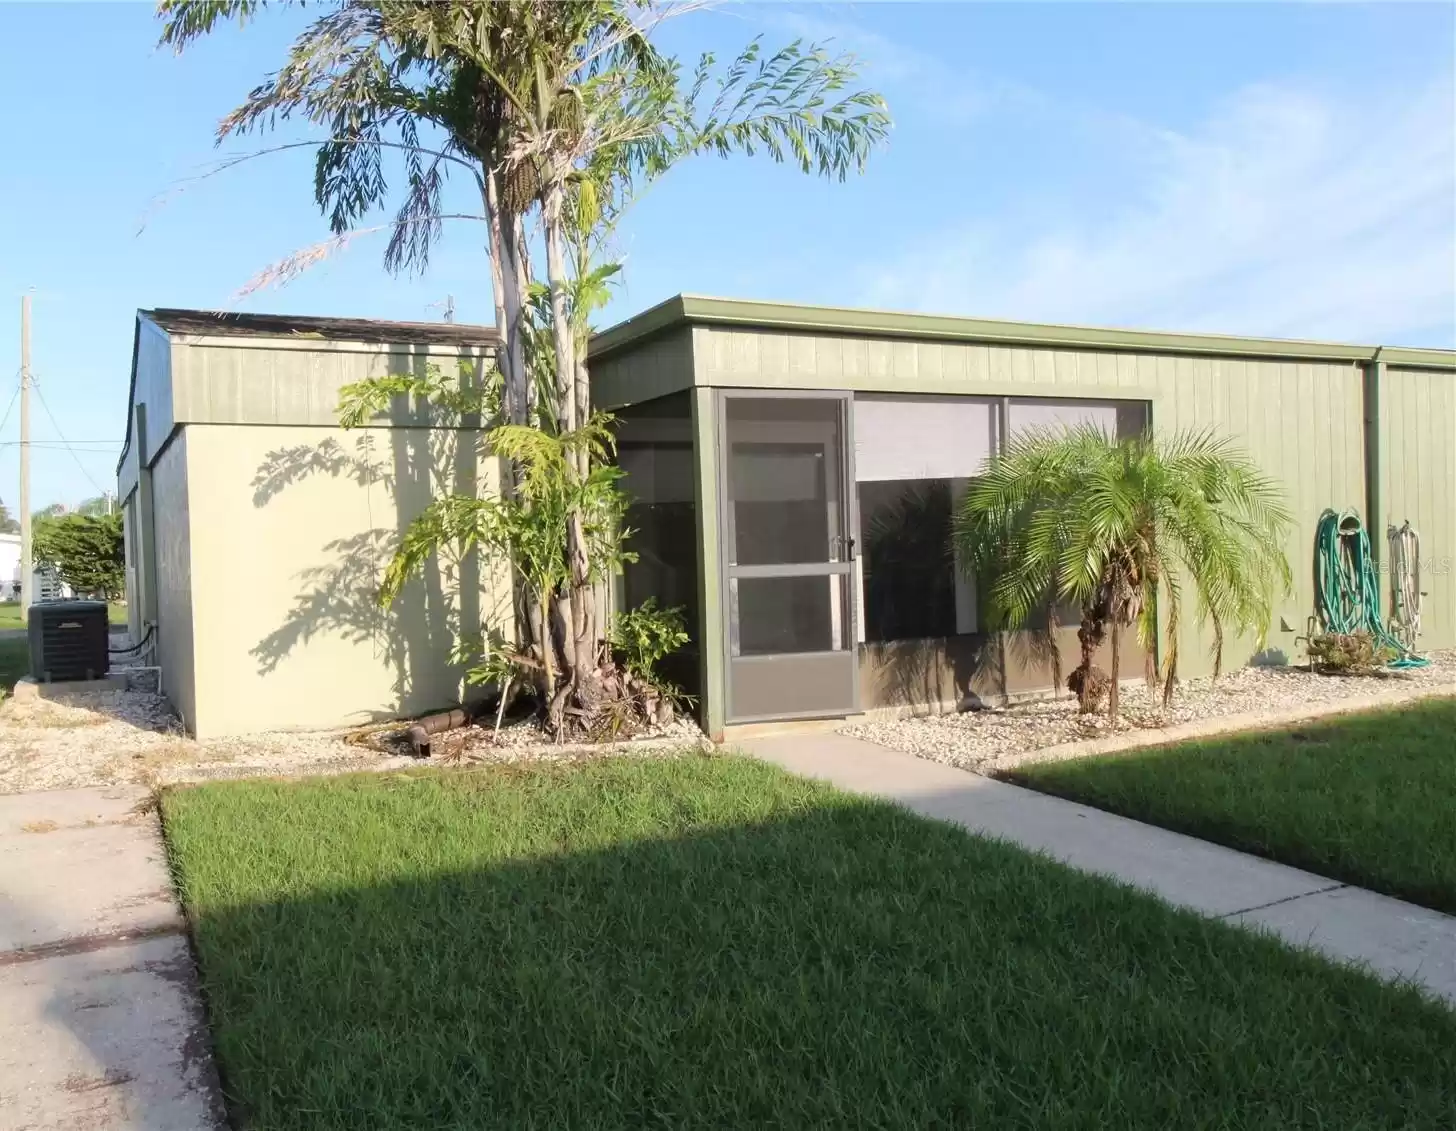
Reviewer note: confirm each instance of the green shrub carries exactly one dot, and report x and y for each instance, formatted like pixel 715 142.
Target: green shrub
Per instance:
pixel 643 636
pixel 1354 653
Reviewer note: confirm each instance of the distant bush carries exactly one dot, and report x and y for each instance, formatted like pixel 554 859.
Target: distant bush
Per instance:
pixel 1354 653
pixel 84 550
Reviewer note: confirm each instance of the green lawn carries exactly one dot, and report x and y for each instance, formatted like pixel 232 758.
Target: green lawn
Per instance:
pixel 708 942
pixel 10 614
pixel 14 663
pixel 1369 799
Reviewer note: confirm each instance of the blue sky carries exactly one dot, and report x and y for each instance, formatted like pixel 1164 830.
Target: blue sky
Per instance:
pixel 1282 169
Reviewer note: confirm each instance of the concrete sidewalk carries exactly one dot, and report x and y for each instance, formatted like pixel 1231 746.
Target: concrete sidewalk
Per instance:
pixel 1394 939
pixel 102 1021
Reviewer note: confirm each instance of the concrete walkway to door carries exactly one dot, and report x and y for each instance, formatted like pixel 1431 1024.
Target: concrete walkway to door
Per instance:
pixel 103 1027
pixel 1392 938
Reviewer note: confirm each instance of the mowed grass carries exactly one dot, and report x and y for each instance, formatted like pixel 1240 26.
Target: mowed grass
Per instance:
pixel 707 942
pixel 14 663
pixel 1369 799
pixel 10 615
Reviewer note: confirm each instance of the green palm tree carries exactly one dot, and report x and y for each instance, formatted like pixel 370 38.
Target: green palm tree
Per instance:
pixel 1123 529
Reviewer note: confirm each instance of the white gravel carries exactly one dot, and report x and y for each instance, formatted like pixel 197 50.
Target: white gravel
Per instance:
pixel 133 737
pixel 993 738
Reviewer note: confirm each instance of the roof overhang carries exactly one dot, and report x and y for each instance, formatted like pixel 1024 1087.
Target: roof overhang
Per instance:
pixel 699 310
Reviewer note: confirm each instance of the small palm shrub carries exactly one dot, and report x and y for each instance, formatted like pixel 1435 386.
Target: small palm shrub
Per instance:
pixel 1129 531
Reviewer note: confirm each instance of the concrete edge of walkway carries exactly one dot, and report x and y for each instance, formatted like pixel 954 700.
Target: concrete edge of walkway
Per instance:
pixel 1387 937
pixel 1247 722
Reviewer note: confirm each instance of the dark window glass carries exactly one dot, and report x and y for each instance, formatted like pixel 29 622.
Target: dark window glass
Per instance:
pixel 655 450
pixel 909 568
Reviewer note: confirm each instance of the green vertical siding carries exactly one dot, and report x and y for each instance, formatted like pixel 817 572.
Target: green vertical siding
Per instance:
pixel 1300 420
pixel 651 369
pixel 1418 483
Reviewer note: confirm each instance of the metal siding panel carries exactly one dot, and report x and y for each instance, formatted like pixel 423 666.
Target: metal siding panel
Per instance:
pixel 773 354
pixel 959 363
pixel 829 357
pixel 802 359
pixel 929 362
pixel 977 361
pixel 879 360
pixel 743 353
pixel 1043 366
pixel 903 360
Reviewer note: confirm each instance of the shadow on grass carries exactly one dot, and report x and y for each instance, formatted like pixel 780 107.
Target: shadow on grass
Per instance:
pixel 835 963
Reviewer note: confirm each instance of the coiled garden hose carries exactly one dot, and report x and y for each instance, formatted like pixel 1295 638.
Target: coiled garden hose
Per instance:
pixel 1347 591
pixel 1405 582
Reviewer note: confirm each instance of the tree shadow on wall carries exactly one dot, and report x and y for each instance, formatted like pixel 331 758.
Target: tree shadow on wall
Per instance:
pixel 401 464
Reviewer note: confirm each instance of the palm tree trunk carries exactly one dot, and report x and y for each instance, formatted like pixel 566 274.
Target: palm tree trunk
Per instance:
pixel 510 299
pixel 1089 636
pixel 561 332
pixel 582 634
pixel 1115 663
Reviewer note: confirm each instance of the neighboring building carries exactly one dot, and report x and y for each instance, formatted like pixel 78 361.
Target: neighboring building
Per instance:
pixel 794 470
pixel 9 567
pixel 257 530
pixel 45 585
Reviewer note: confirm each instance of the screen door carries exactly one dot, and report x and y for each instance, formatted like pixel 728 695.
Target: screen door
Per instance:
pixel 788 556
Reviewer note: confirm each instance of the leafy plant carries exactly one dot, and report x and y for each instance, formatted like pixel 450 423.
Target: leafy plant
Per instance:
pixel 559 112
pixel 1124 529
pixel 644 636
pixel 86 551
pixel 1355 653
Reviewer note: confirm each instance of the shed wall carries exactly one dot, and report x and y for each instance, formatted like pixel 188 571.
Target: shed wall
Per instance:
pixel 1418 483
pixel 172 581
pixel 153 393
pixel 300 524
pixel 1300 421
pixel 284 382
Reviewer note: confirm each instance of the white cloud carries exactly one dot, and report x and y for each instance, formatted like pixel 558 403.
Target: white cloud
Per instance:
pixel 907 76
pixel 1286 213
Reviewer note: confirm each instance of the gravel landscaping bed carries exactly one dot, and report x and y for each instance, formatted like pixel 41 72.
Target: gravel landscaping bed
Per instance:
pixel 133 737
pixel 996 738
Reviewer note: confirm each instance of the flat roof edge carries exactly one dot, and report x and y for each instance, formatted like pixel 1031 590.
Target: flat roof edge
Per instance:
pixel 704 310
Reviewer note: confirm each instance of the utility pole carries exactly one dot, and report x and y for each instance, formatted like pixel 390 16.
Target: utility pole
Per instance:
pixel 26 568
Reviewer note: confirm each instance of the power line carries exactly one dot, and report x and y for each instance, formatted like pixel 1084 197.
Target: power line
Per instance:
pixel 6 418
pixel 100 490
pixel 66 444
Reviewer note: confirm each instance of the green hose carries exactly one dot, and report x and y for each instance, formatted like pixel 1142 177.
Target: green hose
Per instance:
pixel 1347 593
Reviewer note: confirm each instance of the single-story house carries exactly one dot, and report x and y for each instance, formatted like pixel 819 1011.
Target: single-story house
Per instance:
pixel 792 472
pixel 257 530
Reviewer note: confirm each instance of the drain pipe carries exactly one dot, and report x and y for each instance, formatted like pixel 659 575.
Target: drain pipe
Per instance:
pixel 1374 386
pixel 422 729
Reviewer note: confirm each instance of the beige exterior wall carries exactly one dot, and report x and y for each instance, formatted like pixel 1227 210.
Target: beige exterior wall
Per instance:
pixel 1301 421
pixel 299 525
pixel 1418 484
pixel 172 583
